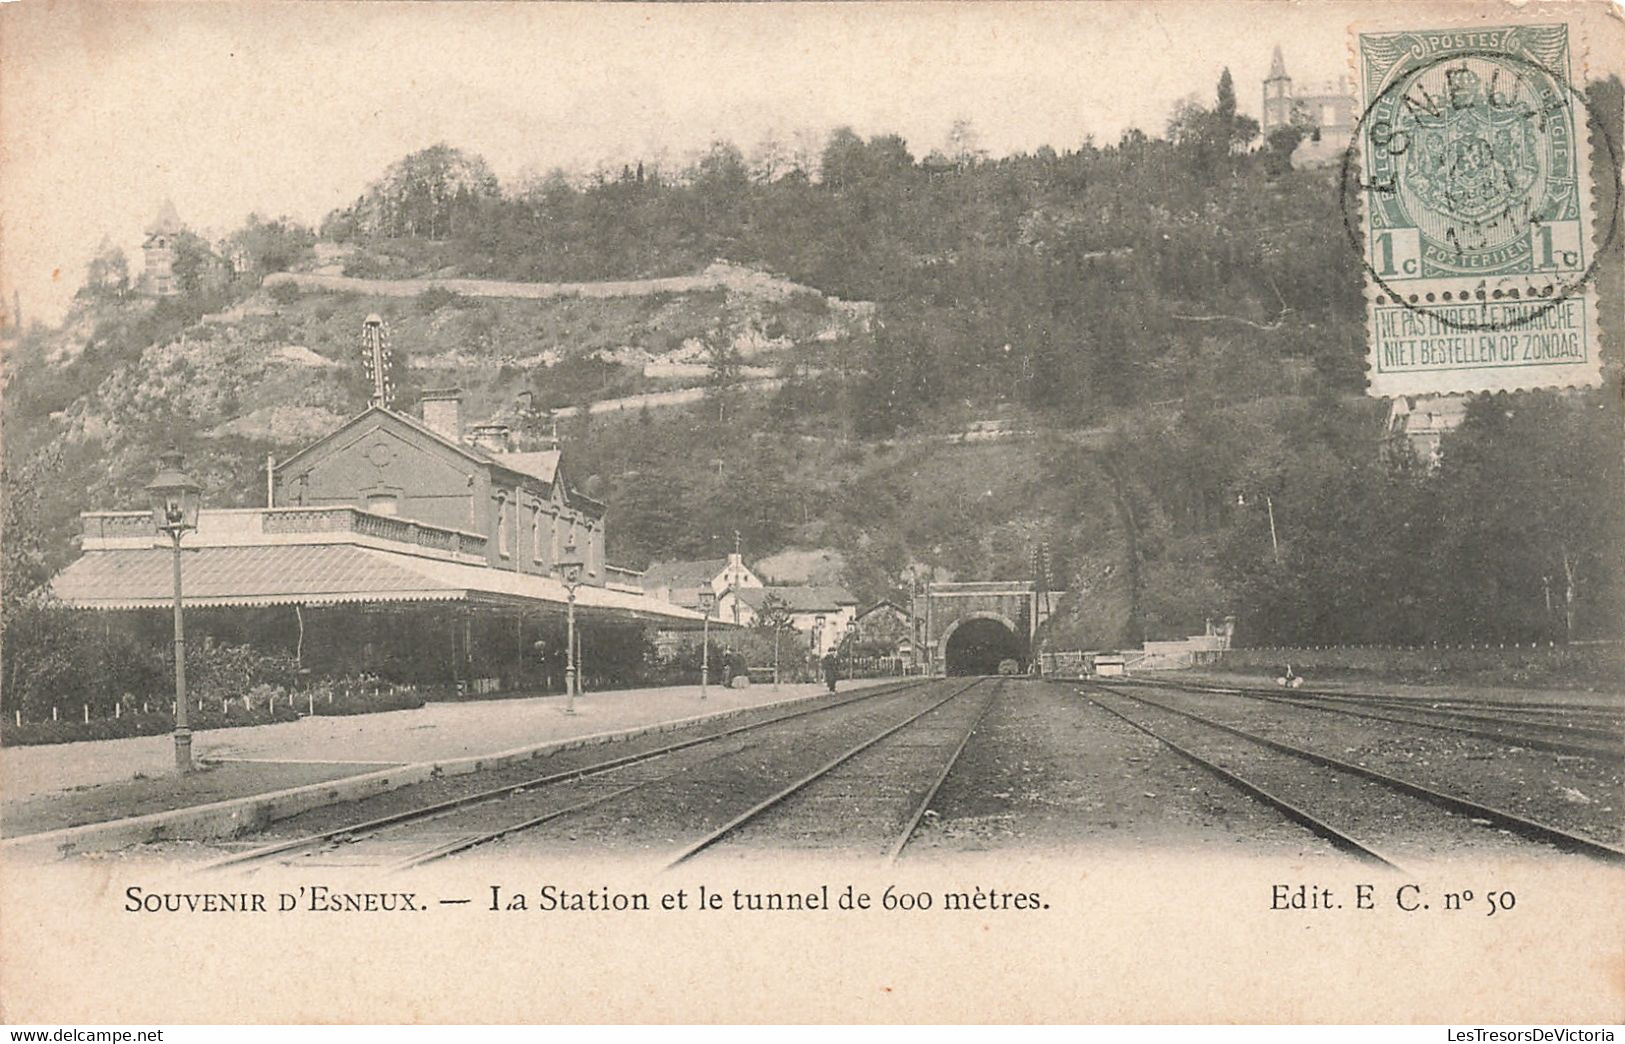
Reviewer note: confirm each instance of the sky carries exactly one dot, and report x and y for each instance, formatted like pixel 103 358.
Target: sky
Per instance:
pixel 291 109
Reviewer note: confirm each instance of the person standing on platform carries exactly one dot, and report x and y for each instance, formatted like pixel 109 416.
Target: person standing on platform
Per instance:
pixel 831 670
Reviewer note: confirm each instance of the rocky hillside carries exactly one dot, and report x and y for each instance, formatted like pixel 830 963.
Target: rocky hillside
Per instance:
pixel 91 403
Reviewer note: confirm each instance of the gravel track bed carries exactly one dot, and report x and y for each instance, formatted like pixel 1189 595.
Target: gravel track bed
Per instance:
pixel 1391 823
pixel 1048 770
pixel 447 788
pixel 686 806
pixel 1571 792
pixel 1608 719
pixel 861 807
pixel 1541 727
pixel 409 839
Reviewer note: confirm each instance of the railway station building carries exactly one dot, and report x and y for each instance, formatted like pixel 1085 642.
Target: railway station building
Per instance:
pixel 398 546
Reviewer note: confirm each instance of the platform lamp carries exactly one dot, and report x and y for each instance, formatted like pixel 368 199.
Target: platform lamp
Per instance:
pixel 175 500
pixel 779 618
pixel 708 601
pixel 569 568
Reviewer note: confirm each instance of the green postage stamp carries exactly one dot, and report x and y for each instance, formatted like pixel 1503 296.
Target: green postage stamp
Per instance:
pixel 1472 171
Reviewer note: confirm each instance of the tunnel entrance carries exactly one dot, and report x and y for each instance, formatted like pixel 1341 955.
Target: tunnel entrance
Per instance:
pixel 977 646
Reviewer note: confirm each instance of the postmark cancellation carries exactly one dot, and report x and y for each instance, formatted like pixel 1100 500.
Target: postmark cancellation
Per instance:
pixel 1471 168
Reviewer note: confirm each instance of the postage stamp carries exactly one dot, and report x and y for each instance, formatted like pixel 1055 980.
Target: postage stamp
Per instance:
pixel 1471 168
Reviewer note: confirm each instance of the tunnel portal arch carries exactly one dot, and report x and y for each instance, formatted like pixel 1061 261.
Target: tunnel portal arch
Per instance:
pixel 977 643
pixel 1017 608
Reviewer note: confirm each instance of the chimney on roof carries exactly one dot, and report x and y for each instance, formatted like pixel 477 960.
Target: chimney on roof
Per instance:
pixel 443 412
pixel 492 438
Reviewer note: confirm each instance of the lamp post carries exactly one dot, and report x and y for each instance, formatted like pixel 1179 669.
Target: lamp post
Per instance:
pixel 569 567
pixel 779 617
pixel 708 601
pixel 175 500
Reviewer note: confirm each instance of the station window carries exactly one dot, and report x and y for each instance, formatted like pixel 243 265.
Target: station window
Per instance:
pixel 502 527
pixel 383 503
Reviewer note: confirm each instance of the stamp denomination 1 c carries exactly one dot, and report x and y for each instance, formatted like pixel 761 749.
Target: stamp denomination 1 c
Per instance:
pixel 1473 167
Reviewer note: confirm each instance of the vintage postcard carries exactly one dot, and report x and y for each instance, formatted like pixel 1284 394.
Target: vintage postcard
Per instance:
pixel 812 513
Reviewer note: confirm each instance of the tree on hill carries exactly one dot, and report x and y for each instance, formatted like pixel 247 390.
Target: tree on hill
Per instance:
pixel 263 247
pixel 428 194
pixel 1283 140
pixel 724 366
pixel 1211 138
pixel 771 159
pixel 197 267
pixel 848 162
pixel 964 145
pixel 108 274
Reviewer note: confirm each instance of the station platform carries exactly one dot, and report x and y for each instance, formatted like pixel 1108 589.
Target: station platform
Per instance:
pixel 57 789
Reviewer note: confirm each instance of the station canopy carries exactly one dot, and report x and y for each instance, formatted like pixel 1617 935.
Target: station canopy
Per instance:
pixel 115 575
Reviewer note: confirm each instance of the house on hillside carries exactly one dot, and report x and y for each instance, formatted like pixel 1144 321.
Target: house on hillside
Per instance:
pixel 1326 109
pixel 158 251
pixel 821 615
pixel 161 250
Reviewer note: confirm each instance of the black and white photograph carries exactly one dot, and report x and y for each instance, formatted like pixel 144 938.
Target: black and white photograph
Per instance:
pixel 1099 512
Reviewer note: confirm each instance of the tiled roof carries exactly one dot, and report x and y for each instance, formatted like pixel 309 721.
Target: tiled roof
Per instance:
pixel 471 452
pixel 800 599
pixel 692 573
pixel 168 220
pixel 542 464
pixel 315 574
pixel 324 574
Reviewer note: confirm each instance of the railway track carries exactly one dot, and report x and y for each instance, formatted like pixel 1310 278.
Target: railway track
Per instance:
pixel 1537 728
pixel 1293 780
pixel 389 839
pixel 853 800
pixel 1575 709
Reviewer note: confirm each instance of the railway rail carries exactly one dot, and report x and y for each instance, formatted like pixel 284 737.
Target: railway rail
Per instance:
pixel 1593 737
pixel 371 831
pixel 1208 754
pixel 848 785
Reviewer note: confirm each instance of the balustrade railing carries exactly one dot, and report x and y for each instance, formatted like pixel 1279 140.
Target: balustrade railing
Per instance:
pixel 236 526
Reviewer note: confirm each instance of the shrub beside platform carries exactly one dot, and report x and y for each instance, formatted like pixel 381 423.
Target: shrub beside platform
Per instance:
pixel 33 733
pixel 369 702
